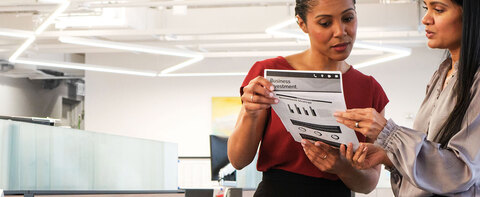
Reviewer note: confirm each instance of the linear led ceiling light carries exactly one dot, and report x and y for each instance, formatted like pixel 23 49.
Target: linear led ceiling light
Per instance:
pixel 280 31
pixel 52 17
pixel 109 69
pixel 196 57
pixel 78 66
pixel 39 30
pixel 397 52
pixel 15 33
pixel 22 48
pixel 201 74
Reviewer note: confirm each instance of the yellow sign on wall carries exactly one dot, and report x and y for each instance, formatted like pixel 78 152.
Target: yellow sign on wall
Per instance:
pixel 225 111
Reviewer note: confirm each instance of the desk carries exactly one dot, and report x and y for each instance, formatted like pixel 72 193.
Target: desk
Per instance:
pixel 92 193
pixel 124 193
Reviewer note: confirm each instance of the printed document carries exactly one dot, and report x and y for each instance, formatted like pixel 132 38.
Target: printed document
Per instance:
pixel 307 101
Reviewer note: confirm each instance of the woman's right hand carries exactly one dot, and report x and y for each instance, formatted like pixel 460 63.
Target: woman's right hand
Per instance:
pixel 243 143
pixel 258 95
pixel 366 121
pixel 367 156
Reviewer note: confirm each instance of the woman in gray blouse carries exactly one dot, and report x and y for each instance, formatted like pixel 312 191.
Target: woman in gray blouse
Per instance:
pixel 441 154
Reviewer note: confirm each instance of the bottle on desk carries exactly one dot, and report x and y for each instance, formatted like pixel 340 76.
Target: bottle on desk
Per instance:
pixel 219 193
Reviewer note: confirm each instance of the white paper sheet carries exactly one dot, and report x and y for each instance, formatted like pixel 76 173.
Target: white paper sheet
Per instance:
pixel 307 101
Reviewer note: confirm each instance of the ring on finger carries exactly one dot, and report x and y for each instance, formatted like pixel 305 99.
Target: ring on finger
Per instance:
pixel 357 124
pixel 251 98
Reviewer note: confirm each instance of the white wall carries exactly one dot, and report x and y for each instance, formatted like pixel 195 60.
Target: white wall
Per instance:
pixel 174 109
pixel 23 97
pixel 405 81
pixel 179 109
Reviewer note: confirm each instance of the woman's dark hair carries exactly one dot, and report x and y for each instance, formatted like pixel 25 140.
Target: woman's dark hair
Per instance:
pixel 303 6
pixel 468 65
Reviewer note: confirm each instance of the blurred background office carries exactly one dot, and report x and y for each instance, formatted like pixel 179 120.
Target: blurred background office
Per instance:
pixel 169 71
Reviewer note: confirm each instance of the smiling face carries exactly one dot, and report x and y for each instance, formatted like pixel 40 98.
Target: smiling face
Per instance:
pixel 443 24
pixel 332 27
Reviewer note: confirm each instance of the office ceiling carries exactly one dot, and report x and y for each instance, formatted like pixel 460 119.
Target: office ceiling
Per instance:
pixel 213 28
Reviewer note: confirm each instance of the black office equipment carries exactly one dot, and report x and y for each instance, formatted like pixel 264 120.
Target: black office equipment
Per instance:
pixel 198 192
pixel 219 157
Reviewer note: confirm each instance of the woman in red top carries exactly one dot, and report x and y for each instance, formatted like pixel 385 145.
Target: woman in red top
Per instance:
pixel 303 169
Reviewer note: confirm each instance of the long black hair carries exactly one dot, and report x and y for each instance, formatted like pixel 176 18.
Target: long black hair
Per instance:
pixel 303 6
pixel 467 68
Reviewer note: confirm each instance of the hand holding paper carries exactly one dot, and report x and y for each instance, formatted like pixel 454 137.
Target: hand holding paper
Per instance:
pixel 307 102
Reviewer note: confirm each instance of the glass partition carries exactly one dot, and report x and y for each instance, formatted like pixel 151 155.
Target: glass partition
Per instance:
pixel 38 157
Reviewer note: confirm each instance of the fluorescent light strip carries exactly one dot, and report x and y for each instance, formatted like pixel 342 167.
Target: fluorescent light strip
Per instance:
pixel 276 53
pixel 108 69
pixel 182 65
pixel 78 66
pixel 398 52
pixel 202 74
pixel 249 54
pixel 128 47
pixel 196 57
pixel 15 33
pixel 52 17
pixel 22 48
pixel 251 44
pixel 381 60
pixel 391 49
pixel 39 30
pixel 276 30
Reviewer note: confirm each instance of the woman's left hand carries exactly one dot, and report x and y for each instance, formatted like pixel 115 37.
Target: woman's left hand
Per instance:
pixel 366 121
pixel 324 157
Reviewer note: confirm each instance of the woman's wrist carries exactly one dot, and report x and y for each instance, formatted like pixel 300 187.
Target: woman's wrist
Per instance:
pixel 381 123
pixel 251 114
pixel 384 135
pixel 346 170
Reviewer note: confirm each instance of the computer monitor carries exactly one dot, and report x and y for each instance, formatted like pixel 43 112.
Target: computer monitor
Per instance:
pixel 219 157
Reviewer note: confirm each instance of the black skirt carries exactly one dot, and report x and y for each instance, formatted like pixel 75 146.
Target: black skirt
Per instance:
pixel 280 183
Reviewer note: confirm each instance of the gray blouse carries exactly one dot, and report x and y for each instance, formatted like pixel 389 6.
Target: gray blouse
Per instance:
pixel 421 167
